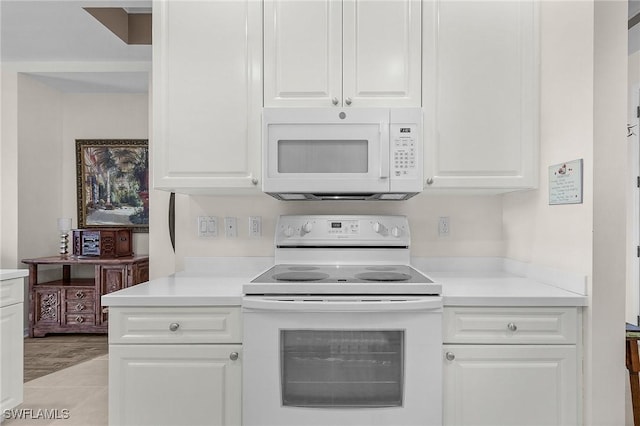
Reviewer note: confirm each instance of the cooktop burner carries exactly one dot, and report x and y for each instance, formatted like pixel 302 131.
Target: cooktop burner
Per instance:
pixel 300 276
pixel 383 276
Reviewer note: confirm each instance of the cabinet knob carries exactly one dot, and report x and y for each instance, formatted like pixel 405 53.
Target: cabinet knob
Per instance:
pixel 233 356
pixel 174 326
pixel 450 356
pixel 430 181
pixel 335 101
pixel 348 101
pixel 79 294
pixel 254 181
pixel 79 319
pixel 512 327
pixel 79 307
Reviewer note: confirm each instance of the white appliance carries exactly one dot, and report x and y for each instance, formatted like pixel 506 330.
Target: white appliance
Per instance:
pixel 342 331
pixel 350 153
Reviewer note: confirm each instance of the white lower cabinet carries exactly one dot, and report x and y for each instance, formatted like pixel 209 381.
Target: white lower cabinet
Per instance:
pixel 11 343
pixel 176 366
pixel 522 368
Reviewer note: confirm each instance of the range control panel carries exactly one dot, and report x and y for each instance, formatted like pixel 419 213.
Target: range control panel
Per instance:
pixel 403 139
pixel 330 230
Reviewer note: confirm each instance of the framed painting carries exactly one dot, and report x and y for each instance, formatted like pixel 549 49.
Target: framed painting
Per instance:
pixel 112 177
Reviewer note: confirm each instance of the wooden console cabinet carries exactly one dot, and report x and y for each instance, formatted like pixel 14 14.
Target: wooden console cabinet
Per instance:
pixel 72 305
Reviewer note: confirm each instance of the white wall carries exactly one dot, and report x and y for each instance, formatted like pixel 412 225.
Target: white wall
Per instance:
pixel 475 223
pixel 40 168
pixel 9 170
pixel 605 354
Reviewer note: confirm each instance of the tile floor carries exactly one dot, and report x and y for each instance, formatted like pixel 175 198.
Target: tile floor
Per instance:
pixel 82 390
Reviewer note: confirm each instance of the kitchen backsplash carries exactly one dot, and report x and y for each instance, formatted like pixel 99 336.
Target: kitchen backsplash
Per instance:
pixel 475 223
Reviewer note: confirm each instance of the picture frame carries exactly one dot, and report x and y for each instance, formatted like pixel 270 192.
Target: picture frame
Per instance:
pixel 112 179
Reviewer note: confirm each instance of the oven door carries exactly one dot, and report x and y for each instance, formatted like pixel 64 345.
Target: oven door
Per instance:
pixel 342 361
pixel 311 150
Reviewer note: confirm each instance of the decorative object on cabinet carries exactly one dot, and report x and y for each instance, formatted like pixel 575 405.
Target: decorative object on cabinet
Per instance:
pixel 112 177
pixel 72 305
pixel 103 242
pixel 64 226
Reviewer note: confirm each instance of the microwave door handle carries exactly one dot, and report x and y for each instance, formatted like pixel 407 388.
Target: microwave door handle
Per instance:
pixel 384 151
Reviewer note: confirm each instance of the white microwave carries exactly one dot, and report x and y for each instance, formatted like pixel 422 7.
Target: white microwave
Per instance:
pixel 342 154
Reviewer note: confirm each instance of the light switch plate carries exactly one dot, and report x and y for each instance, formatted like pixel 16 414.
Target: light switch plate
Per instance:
pixel 207 226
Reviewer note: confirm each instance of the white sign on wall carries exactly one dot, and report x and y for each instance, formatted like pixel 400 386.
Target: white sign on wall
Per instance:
pixel 565 183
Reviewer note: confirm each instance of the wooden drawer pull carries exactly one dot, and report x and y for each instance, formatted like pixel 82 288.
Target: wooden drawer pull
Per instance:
pixel 79 294
pixel 80 307
pixel 79 319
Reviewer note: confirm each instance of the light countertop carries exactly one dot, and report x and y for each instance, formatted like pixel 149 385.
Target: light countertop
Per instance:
pixel 483 288
pixel 8 274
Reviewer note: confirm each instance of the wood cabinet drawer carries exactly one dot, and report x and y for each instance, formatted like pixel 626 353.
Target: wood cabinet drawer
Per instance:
pixel 175 325
pixel 79 294
pixel 11 291
pixel 81 319
pixel 80 306
pixel 510 325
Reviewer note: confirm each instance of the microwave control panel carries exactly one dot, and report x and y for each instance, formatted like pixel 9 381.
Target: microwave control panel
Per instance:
pixel 403 139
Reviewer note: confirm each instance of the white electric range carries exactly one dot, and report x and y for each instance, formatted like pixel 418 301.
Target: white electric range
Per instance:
pixel 342 330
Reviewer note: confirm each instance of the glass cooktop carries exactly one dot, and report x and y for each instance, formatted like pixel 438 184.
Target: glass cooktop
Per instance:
pixel 342 279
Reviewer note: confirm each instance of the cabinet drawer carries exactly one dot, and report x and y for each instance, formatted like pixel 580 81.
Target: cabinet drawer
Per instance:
pixel 79 294
pixel 175 325
pixel 510 325
pixel 81 319
pixel 11 291
pixel 80 306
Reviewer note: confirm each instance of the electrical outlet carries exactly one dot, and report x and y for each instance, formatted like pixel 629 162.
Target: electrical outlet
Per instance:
pixel 443 225
pixel 207 226
pixel 255 226
pixel 230 227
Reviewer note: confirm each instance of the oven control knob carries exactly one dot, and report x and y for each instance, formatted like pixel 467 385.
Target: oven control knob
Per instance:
pixel 306 228
pixel 378 228
pixel 288 231
pixel 396 232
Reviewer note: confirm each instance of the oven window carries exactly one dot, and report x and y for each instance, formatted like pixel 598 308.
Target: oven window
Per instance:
pixel 323 156
pixel 342 368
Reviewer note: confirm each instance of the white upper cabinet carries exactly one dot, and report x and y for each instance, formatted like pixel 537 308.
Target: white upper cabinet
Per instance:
pixel 359 53
pixel 481 94
pixel 207 87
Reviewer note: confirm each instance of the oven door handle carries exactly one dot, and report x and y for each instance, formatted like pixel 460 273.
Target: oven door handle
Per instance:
pixel 318 304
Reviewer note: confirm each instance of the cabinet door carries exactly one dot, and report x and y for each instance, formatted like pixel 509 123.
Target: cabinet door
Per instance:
pixel 481 94
pixel 382 53
pixel 302 53
pixel 174 385
pixel 11 355
pixel 207 95
pixel 140 273
pixel 510 385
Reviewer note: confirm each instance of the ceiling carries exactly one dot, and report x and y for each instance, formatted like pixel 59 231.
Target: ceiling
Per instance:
pixel 62 31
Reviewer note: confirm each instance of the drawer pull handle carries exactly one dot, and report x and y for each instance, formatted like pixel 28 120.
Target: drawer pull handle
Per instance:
pixel 450 356
pixel 174 326
pixel 79 319
pixel 512 327
pixel 79 294
pixel 233 356
pixel 79 307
